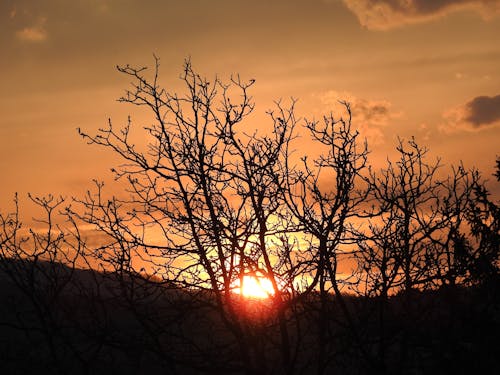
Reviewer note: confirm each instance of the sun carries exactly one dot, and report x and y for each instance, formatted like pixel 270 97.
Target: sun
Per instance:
pixel 255 287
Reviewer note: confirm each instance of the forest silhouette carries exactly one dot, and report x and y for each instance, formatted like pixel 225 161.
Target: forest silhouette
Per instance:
pixel 391 270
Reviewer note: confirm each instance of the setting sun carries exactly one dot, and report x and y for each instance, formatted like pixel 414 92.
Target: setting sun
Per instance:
pixel 255 287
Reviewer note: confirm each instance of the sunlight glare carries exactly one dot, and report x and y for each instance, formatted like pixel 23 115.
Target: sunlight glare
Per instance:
pixel 255 287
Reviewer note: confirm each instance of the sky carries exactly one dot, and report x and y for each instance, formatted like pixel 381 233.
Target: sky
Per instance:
pixel 423 68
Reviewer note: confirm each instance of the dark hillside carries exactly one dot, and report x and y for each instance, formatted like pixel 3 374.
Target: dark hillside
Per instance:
pixel 85 322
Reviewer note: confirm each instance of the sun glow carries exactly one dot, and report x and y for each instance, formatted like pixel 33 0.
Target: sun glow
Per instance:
pixel 255 287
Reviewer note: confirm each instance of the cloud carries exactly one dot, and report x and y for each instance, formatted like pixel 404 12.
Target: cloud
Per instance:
pixel 483 110
pixel 34 33
pixel 368 115
pixel 478 113
pixel 386 14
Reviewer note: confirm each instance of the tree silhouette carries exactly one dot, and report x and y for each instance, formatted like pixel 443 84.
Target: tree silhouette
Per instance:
pixel 324 212
pixel 359 259
pixel 423 232
pixel 214 192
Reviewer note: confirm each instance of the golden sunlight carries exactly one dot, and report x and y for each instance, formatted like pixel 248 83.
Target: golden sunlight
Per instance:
pixel 255 287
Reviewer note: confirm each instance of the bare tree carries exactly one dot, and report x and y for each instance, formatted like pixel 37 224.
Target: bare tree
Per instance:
pixel 418 237
pixel 209 205
pixel 405 198
pixel 395 252
pixel 324 196
pixel 212 191
pixel 39 263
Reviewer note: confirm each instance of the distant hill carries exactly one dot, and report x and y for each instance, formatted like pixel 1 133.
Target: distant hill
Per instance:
pixel 55 319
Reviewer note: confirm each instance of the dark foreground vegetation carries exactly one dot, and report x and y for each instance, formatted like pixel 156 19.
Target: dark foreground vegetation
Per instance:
pixel 374 271
pixel 58 320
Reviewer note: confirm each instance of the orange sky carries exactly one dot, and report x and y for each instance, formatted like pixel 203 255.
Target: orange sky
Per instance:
pixel 429 68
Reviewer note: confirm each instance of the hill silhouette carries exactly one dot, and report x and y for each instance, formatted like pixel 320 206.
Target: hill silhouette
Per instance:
pixel 91 322
pixel 206 203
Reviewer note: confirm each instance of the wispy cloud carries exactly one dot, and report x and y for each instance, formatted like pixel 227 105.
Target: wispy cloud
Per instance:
pixel 369 116
pixel 34 33
pixel 386 14
pixel 478 113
